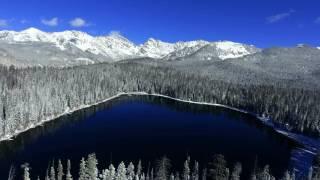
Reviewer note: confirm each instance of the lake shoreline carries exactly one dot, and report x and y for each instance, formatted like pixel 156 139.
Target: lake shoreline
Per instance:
pixel 265 121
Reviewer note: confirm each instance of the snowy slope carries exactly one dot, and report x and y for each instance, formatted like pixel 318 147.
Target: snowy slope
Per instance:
pixel 184 49
pixel 155 48
pixel 225 49
pixel 112 47
pixel 159 49
pixel 228 49
pixel 214 51
pixel 28 35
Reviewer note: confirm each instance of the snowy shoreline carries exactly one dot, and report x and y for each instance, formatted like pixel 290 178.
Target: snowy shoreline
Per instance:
pixel 70 111
pixel 67 111
pixel 309 149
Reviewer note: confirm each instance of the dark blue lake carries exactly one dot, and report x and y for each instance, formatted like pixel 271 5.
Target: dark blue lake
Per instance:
pixel 130 128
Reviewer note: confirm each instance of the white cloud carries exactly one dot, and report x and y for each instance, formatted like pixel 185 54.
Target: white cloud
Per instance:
pixel 317 21
pixel 50 22
pixel 279 17
pixel 3 23
pixel 78 22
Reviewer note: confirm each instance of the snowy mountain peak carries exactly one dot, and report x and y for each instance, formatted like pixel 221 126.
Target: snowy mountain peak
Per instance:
pixel 204 50
pixel 155 48
pixel 30 34
pixel 117 36
pixel 150 41
pixel 32 30
pixel 116 47
pixel 229 49
pixel 156 43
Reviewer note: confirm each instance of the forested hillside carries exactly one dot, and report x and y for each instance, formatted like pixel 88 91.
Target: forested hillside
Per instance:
pixel 32 95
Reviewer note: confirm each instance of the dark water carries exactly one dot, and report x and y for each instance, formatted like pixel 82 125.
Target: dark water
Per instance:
pixel 130 128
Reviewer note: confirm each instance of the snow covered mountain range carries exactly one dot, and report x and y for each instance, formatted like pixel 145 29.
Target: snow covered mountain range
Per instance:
pixel 35 47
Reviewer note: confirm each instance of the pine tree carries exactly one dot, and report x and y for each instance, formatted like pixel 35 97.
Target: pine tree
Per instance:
pixel 91 169
pixel 195 173
pixel 121 172
pixel 286 176
pixel 11 175
pixel 172 177
pixel 130 171
pixel 47 174
pixel 82 170
pixel 235 175
pixel 60 170
pixel 163 166
pixel 293 175
pixel 264 174
pixel 151 174
pixel 218 168
pixel 139 168
pixel 52 172
pixel 69 176
pixel 112 172
pixel 177 176
pixel 186 170
pixel 204 174
pixel 148 172
pixel 142 177
pixel 26 174
pixel 136 177
pixel 104 175
pixel 253 176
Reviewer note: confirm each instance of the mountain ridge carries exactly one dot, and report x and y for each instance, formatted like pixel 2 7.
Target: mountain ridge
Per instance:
pixel 110 48
pixel 33 47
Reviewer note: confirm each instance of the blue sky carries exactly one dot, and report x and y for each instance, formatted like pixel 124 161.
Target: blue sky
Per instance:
pixel 263 23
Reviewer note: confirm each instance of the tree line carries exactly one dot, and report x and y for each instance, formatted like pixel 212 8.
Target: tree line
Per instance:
pixel 216 169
